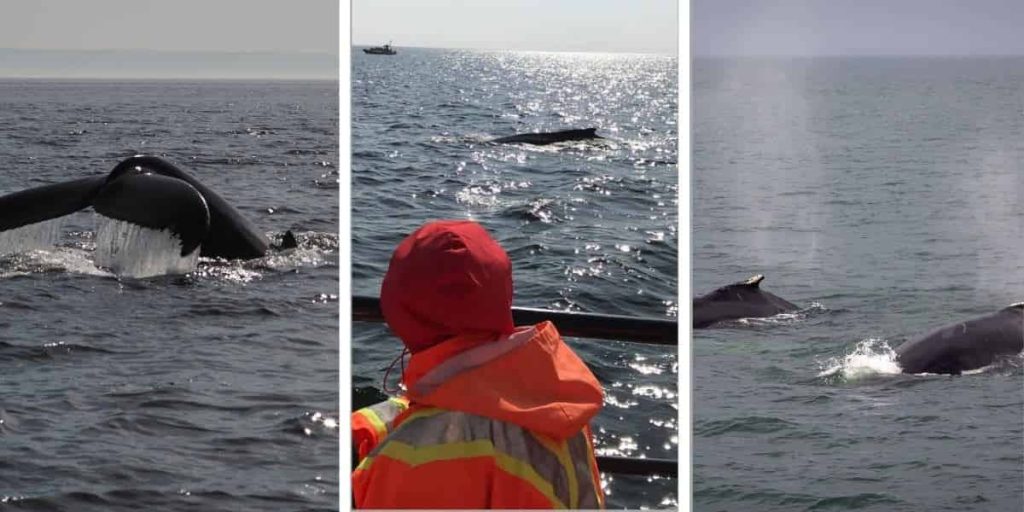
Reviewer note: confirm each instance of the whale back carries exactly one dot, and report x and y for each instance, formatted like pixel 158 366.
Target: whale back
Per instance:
pixel 744 299
pixel 967 345
pixel 544 138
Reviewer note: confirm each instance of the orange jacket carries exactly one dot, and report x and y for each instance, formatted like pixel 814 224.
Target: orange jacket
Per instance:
pixel 492 424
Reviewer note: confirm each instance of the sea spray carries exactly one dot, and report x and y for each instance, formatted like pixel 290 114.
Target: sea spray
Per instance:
pixel 130 250
pixel 39 236
pixel 38 261
pixel 871 357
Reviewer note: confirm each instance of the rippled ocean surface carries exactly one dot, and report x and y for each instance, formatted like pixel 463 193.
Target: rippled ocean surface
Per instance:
pixel 215 390
pixel 884 195
pixel 589 226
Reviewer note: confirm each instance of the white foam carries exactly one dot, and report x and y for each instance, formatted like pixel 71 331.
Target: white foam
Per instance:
pixel 293 258
pixel 39 236
pixel 61 259
pixel 130 250
pixel 871 357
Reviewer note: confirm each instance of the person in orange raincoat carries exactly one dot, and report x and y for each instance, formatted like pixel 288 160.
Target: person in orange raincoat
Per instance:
pixel 495 416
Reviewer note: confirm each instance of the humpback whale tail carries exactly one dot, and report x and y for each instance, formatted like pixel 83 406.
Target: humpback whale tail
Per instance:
pixel 148 192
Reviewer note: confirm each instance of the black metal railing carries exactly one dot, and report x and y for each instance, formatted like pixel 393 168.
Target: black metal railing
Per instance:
pixel 658 331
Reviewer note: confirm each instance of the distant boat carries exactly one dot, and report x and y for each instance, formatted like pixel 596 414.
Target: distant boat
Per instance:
pixel 380 50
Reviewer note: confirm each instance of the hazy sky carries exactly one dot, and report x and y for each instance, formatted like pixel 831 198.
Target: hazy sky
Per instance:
pixel 182 25
pixel 857 27
pixel 646 26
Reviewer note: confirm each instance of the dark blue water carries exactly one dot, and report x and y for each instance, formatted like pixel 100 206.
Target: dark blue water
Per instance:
pixel 216 390
pixel 884 196
pixel 589 226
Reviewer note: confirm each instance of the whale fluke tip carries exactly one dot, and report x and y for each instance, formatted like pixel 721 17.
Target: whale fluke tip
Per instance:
pixel 754 280
pixel 288 241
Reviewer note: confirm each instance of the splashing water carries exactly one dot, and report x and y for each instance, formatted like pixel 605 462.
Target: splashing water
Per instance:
pixel 130 250
pixel 38 236
pixel 61 259
pixel 871 357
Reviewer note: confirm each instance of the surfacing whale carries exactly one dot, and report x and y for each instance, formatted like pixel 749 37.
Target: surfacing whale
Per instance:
pixel 150 192
pixel 740 300
pixel 966 345
pixel 541 139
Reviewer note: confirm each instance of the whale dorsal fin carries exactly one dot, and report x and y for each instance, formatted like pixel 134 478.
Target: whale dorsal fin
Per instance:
pixel 1015 305
pixel 754 280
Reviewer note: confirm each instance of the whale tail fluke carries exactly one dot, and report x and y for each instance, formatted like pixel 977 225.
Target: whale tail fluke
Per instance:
pixel 47 202
pixel 157 202
pixel 288 241
pixel 231 235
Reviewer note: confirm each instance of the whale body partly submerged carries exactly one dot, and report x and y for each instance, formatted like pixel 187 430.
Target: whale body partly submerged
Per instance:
pixel 966 345
pixel 745 299
pixel 150 192
pixel 550 137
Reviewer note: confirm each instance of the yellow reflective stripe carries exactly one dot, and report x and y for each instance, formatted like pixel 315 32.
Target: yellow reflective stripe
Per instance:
pixel 450 451
pixel 583 463
pixel 595 477
pixel 561 451
pixel 400 401
pixel 375 422
pixel 364 464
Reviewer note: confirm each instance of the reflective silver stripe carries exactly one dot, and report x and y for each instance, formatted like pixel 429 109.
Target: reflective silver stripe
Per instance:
pixel 388 410
pixel 579 450
pixel 512 440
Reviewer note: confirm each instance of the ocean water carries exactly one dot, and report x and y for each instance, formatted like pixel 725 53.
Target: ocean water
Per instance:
pixel 883 195
pixel 216 389
pixel 589 226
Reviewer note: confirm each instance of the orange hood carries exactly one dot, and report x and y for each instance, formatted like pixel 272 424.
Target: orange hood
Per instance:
pixel 531 379
pixel 446 279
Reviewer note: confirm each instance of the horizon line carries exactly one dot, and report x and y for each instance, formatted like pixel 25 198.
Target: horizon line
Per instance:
pixel 150 50
pixel 838 55
pixel 65 78
pixel 640 52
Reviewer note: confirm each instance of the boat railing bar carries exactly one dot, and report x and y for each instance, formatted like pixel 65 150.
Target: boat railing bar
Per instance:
pixel 657 331
pixel 634 466
pixel 620 466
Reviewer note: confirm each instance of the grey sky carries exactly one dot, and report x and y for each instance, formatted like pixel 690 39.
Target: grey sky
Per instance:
pixel 182 25
pixel 857 27
pixel 645 26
